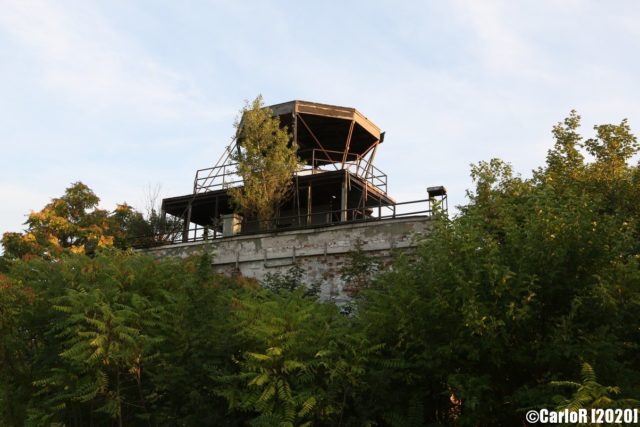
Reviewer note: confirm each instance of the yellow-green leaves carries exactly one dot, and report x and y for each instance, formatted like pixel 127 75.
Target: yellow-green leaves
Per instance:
pixel 266 161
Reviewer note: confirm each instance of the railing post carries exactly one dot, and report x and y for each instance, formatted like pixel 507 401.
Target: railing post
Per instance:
pixel 185 226
pixel 343 198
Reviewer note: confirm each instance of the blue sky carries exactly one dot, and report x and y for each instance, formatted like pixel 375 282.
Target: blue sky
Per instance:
pixel 124 95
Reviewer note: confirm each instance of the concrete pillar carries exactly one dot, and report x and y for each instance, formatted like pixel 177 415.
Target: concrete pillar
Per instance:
pixel 231 224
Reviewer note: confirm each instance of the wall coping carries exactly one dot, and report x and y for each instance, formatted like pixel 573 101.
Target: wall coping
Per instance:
pixel 299 231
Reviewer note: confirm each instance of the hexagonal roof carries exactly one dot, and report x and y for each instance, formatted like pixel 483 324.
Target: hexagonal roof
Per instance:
pixel 332 129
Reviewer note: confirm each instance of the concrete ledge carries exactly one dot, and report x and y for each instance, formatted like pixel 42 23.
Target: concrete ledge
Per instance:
pixel 321 252
pixel 325 240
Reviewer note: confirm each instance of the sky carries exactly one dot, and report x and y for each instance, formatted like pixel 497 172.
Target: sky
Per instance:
pixel 128 96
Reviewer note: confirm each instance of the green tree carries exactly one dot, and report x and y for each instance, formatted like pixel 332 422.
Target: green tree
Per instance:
pixel 71 222
pixel 359 269
pixel 117 338
pixel 588 393
pixel 266 162
pixel 303 362
pixel 74 223
pixel 531 276
pixel 495 305
pixel 290 280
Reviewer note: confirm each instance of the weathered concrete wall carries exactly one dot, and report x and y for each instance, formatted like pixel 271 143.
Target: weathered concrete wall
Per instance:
pixel 321 252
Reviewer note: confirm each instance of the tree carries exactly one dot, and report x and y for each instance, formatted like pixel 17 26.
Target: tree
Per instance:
pixel 303 362
pixel 359 270
pixel 291 280
pixel 533 275
pixel 74 223
pixel 481 322
pixel 266 162
pixel 68 223
pixel 589 393
pixel 119 338
pixel 157 228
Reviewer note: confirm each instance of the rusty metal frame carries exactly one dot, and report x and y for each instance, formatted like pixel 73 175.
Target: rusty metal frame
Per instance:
pixel 346 148
pixel 223 160
pixel 374 179
pixel 315 139
pixel 372 155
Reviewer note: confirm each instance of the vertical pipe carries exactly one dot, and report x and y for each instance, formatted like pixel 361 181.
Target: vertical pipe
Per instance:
pixel 185 226
pixel 216 219
pixel 309 204
pixel 298 221
pixel 295 127
pixel 162 231
pixel 343 198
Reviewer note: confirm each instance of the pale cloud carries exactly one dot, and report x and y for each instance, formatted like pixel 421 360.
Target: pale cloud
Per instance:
pixel 498 42
pixel 87 62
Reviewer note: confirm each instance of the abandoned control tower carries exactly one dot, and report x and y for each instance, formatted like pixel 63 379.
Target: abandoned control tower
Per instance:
pixel 339 200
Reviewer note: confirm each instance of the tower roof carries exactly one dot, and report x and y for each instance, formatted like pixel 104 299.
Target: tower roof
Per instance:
pixel 335 133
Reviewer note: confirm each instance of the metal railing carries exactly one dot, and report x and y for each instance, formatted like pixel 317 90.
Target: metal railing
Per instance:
pixel 305 220
pixel 226 175
pixel 216 178
pixel 360 168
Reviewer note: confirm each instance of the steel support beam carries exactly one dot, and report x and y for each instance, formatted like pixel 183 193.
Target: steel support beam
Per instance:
pixel 346 149
pixel 316 140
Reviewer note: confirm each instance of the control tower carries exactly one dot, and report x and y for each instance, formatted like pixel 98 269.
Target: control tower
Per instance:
pixel 337 182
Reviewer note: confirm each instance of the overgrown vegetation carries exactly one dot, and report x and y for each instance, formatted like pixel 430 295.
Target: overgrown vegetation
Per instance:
pixel 267 159
pixel 535 281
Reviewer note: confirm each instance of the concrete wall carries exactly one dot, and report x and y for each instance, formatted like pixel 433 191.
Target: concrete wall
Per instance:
pixel 321 252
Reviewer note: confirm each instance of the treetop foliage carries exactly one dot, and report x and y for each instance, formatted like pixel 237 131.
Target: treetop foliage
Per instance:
pixel 74 223
pixel 266 158
pixel 536 280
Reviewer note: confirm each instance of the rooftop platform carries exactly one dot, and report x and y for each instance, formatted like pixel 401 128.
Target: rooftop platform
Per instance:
pixel 325 196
